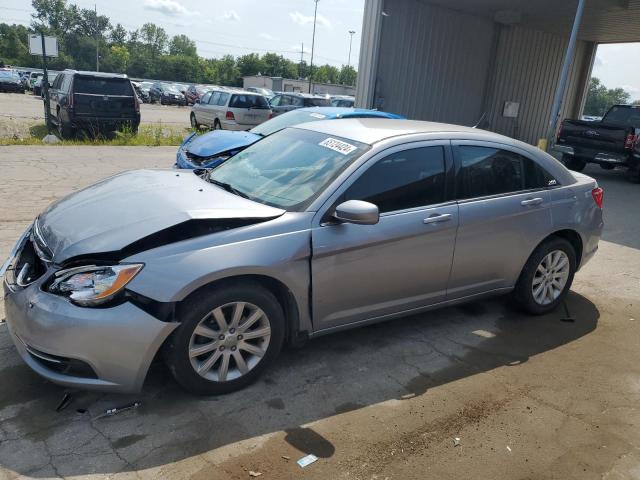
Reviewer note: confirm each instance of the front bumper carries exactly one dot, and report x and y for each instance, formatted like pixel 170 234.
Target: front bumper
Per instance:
pixel 117 343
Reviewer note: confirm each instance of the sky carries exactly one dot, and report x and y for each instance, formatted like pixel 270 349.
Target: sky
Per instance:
pixel 618 65
pixel 235 27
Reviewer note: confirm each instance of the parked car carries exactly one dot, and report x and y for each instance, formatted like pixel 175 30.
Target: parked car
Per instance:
pixel 212 148
pixel 36 87
pixel 291 101
pixel 166 94
pixel 33 76
pixel 314 229
pixel 230 110
pixel 143 94
pixel 265 92
pixel 195 93
pixel 612 142
pixel 342 101
pixel 10 81
pixel 93 102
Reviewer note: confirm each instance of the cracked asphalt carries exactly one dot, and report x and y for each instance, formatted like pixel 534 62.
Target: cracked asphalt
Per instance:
pixel 529 398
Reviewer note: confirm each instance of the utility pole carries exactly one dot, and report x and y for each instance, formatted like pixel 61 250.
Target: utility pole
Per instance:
pixel 301 61
pixel 313 44
pixel 351 32
pixel 95 9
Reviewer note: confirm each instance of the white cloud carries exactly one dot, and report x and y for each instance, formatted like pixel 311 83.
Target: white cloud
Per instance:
pixel 168 7
pixel 302 19
pixel 266 36
pixel 296 48
pixel 231 15
pixel 630 88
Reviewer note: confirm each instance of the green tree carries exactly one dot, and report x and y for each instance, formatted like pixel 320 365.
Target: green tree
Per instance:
pixel 636 102
pixel 227 71
pixel 347 75
pixel 118 35
pixel 600 98
pixel 182 45
pixel 154 38
pixel 251 64
pixel 118 59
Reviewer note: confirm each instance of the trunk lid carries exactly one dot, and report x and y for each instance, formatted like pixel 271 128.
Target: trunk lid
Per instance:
pixel 103 97
pixel 597 136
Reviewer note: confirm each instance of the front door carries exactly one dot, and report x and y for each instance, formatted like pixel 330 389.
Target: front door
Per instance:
pixel 363 272
pixel 504 214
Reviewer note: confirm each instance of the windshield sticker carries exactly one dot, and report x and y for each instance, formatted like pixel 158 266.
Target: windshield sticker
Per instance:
pixel 317 115
pixel 337 145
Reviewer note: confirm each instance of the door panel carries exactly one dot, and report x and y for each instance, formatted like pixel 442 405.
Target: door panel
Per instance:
pixel 365 271
pixel 361 272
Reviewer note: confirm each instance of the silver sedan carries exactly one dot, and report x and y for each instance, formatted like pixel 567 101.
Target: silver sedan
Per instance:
pixel 325 226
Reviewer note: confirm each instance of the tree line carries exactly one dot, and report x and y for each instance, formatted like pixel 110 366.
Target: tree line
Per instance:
pixel 600 98
pixel 148 52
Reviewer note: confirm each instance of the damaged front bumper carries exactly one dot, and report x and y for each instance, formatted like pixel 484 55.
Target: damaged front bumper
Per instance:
pixel 109 348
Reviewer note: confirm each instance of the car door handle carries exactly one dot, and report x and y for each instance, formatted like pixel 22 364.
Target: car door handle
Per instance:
pixel 437 218
pixel 531 201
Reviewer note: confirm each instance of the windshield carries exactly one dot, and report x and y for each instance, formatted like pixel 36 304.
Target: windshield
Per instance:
pixel 317 102
pixel 13 75
pixel 627 116
pixel 248 101
pixel 288 169
pixel 289 119
pixel 102 86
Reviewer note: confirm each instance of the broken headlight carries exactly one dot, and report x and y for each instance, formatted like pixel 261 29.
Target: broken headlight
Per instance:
pixel 93 285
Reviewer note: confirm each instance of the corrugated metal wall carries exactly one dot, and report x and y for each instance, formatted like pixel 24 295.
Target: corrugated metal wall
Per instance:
pixel 527 69
pixel 438 64
pixel 433 62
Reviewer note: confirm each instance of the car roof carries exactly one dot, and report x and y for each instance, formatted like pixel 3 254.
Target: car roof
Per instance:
pixel 346 112
pixel 95 74
pixel 373 130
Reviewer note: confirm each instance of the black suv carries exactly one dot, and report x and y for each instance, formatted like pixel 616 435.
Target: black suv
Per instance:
pixel 94 102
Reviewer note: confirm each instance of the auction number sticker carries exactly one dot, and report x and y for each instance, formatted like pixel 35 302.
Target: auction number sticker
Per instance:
pixel 338 146
pixel 317 115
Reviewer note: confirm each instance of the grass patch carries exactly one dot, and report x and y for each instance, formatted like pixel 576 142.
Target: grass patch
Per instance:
pixel 156 135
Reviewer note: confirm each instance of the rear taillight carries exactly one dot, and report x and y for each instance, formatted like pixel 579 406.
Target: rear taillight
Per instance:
pixel 229 115
pixel 559 134
pixel 598 196
pixel 630 141
pixel 135 97
pixel 70 101
pixel 270 115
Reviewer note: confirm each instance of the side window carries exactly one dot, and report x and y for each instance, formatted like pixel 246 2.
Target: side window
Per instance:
pixel 57 81
pixel 297 101
pixel 486 171
pixel 222 101
pixel 66 83
pixel 205 98
pixel 407 179
pixel 275 101
pixel 214 98
pixel 285 100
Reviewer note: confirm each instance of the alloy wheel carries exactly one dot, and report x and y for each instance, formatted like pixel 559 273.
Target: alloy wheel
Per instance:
pixel 550 277
pixel 229 341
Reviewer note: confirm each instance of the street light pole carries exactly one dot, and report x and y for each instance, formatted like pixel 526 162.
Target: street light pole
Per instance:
pixel 351 32
pixel 313 43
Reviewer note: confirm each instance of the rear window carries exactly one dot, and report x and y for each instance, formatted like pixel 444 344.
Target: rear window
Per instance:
pixel 317 102
pixel 248 101
pixel 627 116
pixel 102 86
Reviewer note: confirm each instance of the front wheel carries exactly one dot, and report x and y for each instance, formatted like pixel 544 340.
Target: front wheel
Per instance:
pixel 227 338
pixel 546 277
pixel 194 122
pixel 573 163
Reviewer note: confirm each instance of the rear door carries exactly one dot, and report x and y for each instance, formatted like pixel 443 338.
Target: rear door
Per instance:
pixel 249 109
pixel 361 272
pixel 505 212
pixel 103 97
pixel 54 94
pixel 277 105
pixel 200 108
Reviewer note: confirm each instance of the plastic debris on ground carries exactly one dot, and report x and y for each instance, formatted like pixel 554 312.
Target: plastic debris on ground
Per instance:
pixel 508 448
pixel 65 402
pixel 286 457
pixel 456 442
pixel 254 474
pixel 110 412
pixel 308 460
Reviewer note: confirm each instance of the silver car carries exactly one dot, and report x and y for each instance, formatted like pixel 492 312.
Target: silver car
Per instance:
pixel 325 226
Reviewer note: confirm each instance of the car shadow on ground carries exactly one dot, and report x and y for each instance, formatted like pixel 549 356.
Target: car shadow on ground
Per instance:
pixel 330 375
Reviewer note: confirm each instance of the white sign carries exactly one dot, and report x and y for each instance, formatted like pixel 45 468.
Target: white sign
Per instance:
pixel 511 109
pixel 336 145
pixel 50 45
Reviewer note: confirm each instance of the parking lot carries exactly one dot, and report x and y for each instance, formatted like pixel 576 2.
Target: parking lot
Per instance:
pixel 547 397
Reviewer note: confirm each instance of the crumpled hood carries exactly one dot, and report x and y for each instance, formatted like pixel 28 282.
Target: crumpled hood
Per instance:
pixel 120 210
pixel 220 141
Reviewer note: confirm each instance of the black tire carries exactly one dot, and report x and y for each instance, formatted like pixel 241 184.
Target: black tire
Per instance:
pixel 65 130
pixel 522 295
pixel 194 121
pixel 607 166
pixel 633 175
pixel 198 307
pixel 573 163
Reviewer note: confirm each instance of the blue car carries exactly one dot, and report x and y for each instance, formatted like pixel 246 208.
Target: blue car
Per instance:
pixel 213 148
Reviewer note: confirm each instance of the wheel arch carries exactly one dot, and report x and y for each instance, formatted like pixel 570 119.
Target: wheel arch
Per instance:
pixel 283 295
pixel 573 237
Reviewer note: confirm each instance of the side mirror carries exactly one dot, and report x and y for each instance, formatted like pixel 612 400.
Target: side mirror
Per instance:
pixel 197 100
pixel 358 212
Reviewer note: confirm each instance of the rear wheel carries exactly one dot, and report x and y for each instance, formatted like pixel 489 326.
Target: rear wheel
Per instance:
pixel 607 166
pixel 65 130
pixel 227 338
pixel 194 121
pixel 573 163
pixel 546 277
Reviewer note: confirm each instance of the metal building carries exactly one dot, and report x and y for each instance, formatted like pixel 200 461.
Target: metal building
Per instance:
pixel 460 61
